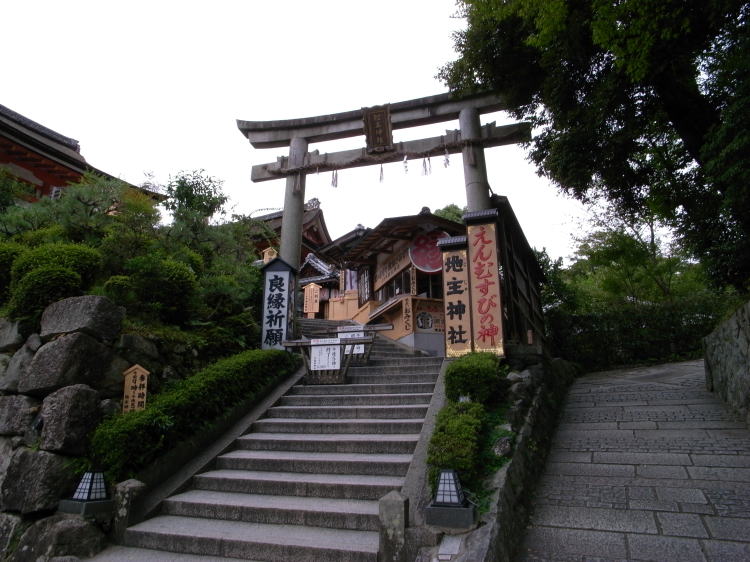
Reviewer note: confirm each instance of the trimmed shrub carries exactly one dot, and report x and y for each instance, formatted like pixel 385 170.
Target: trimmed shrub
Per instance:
pixel 455 442
pixel 228 336
pixel 119 288
pixel 8 253
pixel 165 287
pixel 127 443
pixel 41 287
pixel 476 375
pixel 49 235
pixel 81 259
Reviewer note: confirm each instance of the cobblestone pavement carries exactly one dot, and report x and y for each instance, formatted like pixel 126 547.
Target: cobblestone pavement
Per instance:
pixel 645 465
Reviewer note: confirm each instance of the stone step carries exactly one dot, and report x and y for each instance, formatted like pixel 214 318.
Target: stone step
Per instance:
pixel 391 379
pixel 338 426
pixel 400 443
pixel 355 399
pixel 327 463
pixel 393 369
pixel 407 361
pixel 357 515
pixel 405 388
pixel 119 553
pixel 349 412
pixel 344 486
pixel 237 539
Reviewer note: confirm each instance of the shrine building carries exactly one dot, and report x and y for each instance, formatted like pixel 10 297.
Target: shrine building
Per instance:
pixel 42 158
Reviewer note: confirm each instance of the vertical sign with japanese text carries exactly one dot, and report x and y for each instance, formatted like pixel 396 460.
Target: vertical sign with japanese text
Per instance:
pixel 312 298
pixel 378 129
pixel 484 278
pixel 136 388
pixel 456 302
pixel 275 318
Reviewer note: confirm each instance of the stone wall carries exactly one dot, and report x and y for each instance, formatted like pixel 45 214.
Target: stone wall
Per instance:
pixel 727 354
pixel 55 386
pixel 501 529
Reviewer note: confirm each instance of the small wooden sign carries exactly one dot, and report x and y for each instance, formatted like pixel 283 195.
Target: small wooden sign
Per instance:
pixel 312 298
pixel 378 130
pixel 269 254
pixel 136 389
pixel 352 332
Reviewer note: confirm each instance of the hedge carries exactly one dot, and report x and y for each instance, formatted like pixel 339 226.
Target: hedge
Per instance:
pixel 127 443
pixel 634 333
pixel 82 259
pixel 455 442
pixel 41 287
pixel 476 375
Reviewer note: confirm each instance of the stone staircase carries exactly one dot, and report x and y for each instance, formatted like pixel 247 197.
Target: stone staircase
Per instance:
pixel 304 483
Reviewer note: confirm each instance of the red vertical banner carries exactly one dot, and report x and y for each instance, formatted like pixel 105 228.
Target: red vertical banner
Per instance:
pixel 456 300
pixel 484 279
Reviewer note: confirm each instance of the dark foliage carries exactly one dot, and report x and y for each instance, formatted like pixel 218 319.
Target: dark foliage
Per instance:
pixel 127 443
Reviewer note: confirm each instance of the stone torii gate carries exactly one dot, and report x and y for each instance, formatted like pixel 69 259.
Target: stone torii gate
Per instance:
pixel 376 124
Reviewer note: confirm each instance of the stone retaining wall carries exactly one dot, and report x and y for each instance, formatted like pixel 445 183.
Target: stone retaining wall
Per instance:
pixel 727 354
pixel 502 527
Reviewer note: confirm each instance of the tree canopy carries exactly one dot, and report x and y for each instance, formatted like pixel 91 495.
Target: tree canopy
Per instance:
pixel 645 104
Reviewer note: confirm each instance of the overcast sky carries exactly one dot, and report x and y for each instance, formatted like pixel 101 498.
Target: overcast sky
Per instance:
pixel 155 87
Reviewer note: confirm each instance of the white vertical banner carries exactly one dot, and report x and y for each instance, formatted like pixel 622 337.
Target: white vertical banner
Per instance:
pixel 275 309
pixel 325 354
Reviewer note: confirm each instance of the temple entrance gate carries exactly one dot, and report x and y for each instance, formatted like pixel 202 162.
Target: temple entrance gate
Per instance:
pixel 376 124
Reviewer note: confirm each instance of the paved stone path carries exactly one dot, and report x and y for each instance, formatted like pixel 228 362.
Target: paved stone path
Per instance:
pixel 645 465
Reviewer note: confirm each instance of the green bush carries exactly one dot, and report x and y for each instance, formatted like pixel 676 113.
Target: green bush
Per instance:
pixel 476 375
pixel 635 333
pixel 163 286
pixel 127 443
pixel 119 288
pixel 82 259
pixel 455 442
pixel 228 336
pixel 49 235
pixel 41 287
pixel 190 258
pixel 9 251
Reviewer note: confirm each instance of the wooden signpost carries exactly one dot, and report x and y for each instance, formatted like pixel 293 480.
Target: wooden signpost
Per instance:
pixel 136 389
pixel 311 299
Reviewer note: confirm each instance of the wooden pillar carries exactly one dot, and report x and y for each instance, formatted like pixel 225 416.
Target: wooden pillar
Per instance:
pixel 475 169
pixel 294 205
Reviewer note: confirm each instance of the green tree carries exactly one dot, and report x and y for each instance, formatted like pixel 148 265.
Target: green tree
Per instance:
pixel 11 189
pixel 193 198
pixel 452 212
pixel 643 103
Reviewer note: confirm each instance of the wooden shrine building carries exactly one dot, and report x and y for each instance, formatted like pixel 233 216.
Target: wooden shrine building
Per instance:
pixel 42 158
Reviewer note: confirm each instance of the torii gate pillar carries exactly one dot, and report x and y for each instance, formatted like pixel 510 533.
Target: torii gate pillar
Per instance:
pixel 475 169
pixel 294 205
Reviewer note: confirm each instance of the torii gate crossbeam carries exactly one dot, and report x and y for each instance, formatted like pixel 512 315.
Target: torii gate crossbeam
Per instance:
pixel 470 140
